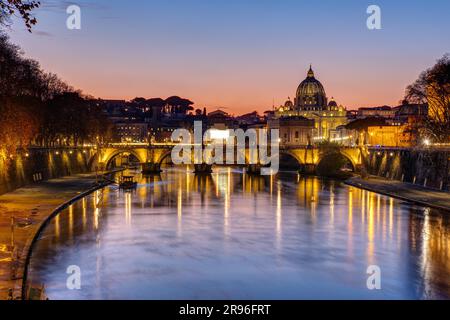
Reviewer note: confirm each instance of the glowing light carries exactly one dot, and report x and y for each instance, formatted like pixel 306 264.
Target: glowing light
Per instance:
pixel 219 134
pixel 341 139
pixel 427 142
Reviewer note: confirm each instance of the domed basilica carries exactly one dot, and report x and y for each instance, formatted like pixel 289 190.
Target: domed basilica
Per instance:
pixel 311 102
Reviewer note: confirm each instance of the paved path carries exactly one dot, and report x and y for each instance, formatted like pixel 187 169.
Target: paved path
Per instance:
pixel 405 191
pixel 30 206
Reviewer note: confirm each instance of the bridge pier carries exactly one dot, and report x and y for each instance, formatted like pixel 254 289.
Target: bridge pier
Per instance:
pixel 151 168
pixel 308 169
pixel 202 168
pixel 253 169
pixel 101 166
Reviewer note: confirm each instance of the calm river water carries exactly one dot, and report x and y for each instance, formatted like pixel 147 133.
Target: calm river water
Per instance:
pixel 234 236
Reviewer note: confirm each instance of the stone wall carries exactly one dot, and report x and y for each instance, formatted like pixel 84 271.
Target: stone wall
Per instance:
pixel 36 165
pixel 423 167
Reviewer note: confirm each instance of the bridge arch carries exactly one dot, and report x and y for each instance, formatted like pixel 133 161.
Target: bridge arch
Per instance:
pixel 109 158
pixel 290 160
pixel 103 157
pixel 353 155
pixel 349 159
pixel 163 156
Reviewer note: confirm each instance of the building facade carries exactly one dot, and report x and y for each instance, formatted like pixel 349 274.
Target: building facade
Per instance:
pixel 398 136
pixel 294 131
pixel 131 132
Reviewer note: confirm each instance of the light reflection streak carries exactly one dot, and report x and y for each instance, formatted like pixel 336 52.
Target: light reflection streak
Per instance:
pixel 371 228
pixel 128 209
pixel 179 209
pixel 70 222
pixel 332 207
pixel 84 213
pixel 279 215
pixel 391 217
pixel 227 201
pixel 57 227
pixel 350 223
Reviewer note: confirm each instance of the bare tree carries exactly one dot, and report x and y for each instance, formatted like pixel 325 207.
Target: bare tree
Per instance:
pixel 21 8
pixel 433 88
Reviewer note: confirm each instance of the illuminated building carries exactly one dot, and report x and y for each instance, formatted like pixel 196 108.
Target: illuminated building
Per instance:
pixel 384 112
pixel 344 136
pixel 390 136
pixel 294 131
pixel 312 103
pixel 131 132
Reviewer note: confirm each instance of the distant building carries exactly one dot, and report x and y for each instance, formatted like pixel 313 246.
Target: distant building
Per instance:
pixel 344 136
pixel 411 113
pixel 312 103
pixel 249 118
pixel 384 112
pixel 131 132
pixel 221 120
pixel 294 131
pixel 391 136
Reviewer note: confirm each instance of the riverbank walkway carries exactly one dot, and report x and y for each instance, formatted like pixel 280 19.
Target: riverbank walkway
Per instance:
pixel 404 191
pixel 22 212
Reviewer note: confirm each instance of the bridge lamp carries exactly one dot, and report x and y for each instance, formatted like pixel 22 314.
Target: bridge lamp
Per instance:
pixel 391 154
pixel 27 155
pixel 57 152
pixel 427 142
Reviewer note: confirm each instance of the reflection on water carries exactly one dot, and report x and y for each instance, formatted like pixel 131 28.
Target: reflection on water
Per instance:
pixel 235 236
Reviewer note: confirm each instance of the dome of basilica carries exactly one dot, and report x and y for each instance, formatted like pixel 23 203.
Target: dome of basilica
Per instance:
pixel 311 94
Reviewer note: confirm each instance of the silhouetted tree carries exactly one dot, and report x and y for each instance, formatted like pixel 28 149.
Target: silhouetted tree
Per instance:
pixel 156 103
pixel 37 107
pixel 433 88
pixel 179 105
pixel 21 8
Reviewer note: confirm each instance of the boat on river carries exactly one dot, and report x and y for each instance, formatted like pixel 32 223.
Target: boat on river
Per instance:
pixel 127 183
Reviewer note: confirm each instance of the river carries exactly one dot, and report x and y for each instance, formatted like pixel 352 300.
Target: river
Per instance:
pixel 234 236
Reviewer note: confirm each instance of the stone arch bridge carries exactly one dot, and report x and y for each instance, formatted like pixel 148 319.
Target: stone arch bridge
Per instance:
pixel 152 157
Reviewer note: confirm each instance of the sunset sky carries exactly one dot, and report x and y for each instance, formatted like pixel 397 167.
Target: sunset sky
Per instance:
pixel 239 55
